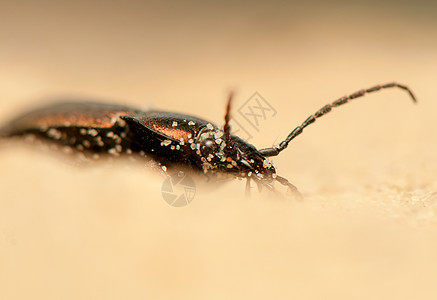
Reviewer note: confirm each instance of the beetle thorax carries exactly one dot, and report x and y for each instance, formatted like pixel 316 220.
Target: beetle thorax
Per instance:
pixel 233 156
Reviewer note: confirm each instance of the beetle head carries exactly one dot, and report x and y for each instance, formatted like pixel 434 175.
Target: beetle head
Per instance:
pixel 220 153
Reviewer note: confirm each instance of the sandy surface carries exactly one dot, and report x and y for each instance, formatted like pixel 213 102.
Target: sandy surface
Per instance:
pixel 367 227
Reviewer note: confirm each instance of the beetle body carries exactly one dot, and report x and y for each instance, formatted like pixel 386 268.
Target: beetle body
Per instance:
pixel 171 139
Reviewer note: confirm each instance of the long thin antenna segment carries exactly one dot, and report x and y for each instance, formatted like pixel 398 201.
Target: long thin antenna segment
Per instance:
pixel 227 126
pixel 273 151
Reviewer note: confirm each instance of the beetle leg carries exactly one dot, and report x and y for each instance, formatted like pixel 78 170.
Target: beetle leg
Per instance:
pixel 248 187
pixel 288 184
pixel 259 185
pixel 260 182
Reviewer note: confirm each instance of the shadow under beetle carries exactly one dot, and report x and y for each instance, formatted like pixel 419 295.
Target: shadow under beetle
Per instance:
pixel 171 139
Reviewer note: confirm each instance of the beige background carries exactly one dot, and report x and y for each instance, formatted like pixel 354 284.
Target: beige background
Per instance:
pixel 367 229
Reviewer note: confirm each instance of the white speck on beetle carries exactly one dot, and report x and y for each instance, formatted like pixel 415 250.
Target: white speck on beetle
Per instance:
pixel 165 142
pixel 53 133
pixel 112 151
pixel 191 123
pixel 110 134
pixel 121 122
pixel 86 143
pixel 92 132
pixel 82 131
pixel 174 124
pixel 209 126
pixel 67 150
pixel 189 135
pixel 117 139
pixel 218 134
pixel 81 156
pixel 99 141
pixel 30 138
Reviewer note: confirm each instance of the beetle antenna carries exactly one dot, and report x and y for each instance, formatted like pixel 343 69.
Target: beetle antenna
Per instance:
pixel 227 126
pixel 273 151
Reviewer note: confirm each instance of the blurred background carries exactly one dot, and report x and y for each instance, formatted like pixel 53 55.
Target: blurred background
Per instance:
pixel 367 226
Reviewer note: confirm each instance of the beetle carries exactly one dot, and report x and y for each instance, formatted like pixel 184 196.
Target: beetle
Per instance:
pixel 171 139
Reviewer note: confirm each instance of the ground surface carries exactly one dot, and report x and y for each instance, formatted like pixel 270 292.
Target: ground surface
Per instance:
pixel 367 227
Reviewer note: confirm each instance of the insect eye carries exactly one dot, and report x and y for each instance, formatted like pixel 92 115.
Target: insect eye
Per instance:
pixel 208 146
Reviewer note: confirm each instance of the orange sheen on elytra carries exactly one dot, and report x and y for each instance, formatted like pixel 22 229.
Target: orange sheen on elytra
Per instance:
pixel 79 119
pixel 177 134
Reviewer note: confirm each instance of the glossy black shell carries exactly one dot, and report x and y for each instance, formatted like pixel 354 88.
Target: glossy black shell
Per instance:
pixel 93 127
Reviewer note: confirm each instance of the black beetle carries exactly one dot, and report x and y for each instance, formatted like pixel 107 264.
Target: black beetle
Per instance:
pixel 169 138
